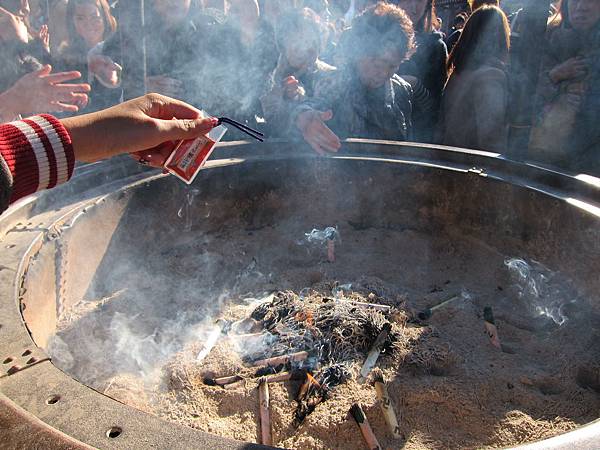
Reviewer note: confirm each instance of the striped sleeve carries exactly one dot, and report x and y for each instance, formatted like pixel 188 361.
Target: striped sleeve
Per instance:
pixel 38 153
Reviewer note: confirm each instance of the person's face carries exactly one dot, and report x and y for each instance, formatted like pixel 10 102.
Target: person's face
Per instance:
pixel 414 8
pixel 12 27
pixel 301 52
pixel 375 71
pixel 584 14
pixel 88 22
pixel 172 12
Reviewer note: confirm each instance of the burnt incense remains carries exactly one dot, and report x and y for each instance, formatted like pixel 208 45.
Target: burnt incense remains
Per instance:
pixel 427 313
pixel 374 353
pixel 265 412
pixel 385 403
pixel 316 390
pixel 365 429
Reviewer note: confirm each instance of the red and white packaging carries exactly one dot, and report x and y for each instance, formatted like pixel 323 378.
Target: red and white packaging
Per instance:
pixel 189 156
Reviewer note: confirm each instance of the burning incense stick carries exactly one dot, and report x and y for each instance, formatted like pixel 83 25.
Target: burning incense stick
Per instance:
pixel 283 359
pixel 365 428
pixel 285 376
pixel 385 403
pixel 374 353
pixel 331 250
pixel 222 381
pixel 265 414
pixel 427 313
pixel 490 327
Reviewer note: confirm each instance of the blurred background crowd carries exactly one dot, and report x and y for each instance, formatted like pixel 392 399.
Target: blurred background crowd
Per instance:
pixel 518 77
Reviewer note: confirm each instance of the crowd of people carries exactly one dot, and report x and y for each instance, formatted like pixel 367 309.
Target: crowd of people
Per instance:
pixel 318 70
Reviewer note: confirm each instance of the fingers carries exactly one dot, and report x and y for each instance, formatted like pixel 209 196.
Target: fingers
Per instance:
pixel 327 115
pixel 61 77
pixel 162 107
pixel 178 129
pixel 62 107
pixel 71 88
pixel 44 71
pixel 155 157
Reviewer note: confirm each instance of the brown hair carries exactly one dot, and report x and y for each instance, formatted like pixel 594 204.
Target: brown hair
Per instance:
pixel 476 4
pixel 561 16
pixel 110 23
pixel 379 28
pixel 486 35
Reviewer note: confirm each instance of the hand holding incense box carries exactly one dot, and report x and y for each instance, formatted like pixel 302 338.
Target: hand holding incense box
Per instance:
pixel 190 155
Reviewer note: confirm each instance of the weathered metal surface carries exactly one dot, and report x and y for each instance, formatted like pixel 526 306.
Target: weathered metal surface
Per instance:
pixel 547 213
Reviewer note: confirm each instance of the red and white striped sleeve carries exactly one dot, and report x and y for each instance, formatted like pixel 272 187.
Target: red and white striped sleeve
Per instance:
pixel 38 153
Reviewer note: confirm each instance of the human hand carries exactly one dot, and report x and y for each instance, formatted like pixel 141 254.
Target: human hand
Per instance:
pixel 318 135
pixel 107 72
pixel 571 68
pixel 164 85
pixel 292 90
pixel 148 126
pixel 42 91
pixel 44 36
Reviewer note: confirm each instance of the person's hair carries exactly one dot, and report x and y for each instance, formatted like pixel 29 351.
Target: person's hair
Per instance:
pixel 476 4
pixel 460 18
pixel 561 16
pixel 486 35
pixel 429 21
pixel 110 23
pixel 378 29
pixel 304 21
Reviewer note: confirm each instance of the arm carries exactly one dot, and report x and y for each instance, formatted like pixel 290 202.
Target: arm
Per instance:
pixel 40 152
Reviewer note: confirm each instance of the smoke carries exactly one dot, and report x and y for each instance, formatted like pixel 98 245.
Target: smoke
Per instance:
pixel 543 292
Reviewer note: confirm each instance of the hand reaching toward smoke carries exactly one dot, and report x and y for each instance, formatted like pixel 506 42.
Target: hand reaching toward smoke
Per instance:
pixel 148 127
pixel 318 135
pixel 42 91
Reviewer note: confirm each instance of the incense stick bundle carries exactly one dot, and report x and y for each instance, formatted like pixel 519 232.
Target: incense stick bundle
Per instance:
pixel 490 327
pixel 283 359
pixel 374 353
pixel 385 403
pixel 365 429
pixel 265 413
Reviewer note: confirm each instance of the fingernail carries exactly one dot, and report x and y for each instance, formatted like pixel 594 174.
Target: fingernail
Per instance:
pixel 214 122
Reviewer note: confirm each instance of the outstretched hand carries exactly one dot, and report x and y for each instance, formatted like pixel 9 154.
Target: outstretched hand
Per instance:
pixel 148 126
pixel 318 135
pixel 42 91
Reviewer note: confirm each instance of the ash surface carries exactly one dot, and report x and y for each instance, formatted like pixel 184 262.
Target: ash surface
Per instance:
pixel 450 387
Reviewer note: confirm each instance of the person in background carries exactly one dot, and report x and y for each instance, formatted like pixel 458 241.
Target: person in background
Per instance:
pixel 474 103
pixel 426 68
pixel 57 24
pixel 89 22
pixel 27 85
pixel 242 55
pixel 298 69
pixel 567 132
pixel 365 97
pixel 459 23
pixel 40 152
